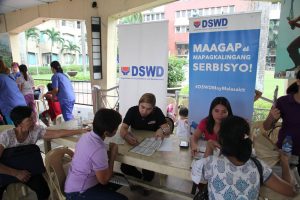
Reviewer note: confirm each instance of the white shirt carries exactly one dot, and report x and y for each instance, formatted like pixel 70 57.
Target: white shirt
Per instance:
pixel 182 129
pixel 8 137
pixel 27 86
pixel 228 181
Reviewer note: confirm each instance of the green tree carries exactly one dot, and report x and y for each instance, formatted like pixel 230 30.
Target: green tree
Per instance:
pixel 71 48
pixel 54 36
pixel 175 71
pixel 31 33
pixel 132 19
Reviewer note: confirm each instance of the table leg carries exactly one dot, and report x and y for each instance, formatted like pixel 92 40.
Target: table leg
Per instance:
pixel 47 146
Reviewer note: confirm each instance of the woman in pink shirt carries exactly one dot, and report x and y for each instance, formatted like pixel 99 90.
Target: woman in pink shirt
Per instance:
pixel 92 166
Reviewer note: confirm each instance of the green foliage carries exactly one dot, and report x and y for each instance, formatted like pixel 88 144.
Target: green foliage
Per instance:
pixel 32 33
pixel 47 70
pixel 175 71
pixel 132 19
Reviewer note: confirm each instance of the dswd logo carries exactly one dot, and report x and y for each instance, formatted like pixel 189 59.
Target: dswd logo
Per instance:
pixel 125 70
pixel 211 23
pixel 150 71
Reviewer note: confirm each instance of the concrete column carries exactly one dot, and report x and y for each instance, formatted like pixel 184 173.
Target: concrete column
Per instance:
pixel 15 48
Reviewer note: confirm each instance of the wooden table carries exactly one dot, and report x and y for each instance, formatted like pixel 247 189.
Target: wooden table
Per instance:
pixel 175 163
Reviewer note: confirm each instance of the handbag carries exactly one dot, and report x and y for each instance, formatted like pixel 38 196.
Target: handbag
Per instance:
pixel 202 194
pixel 27 157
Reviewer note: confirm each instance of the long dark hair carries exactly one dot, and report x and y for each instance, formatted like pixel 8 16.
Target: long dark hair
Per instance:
pixel 23 70
pixel 234 138
pixel 293 88
pixel 210 120
pixel 55 65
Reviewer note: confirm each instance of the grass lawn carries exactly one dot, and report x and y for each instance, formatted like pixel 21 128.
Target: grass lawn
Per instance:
pixel 79 77
pixel 269 87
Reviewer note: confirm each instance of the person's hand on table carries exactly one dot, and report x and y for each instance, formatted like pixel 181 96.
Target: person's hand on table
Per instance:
pixel 210 147
pixel 131 139
pixel 194 150
pixel 159 134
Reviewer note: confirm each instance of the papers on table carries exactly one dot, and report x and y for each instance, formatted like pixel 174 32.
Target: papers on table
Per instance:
pixel 167 145
pixel 147 147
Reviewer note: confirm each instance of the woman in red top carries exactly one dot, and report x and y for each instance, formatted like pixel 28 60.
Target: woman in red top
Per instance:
pixel 209 127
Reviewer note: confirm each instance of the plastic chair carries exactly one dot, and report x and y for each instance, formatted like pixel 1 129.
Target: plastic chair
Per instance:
pixel 57 163
pixel 58 120
pixel 41 99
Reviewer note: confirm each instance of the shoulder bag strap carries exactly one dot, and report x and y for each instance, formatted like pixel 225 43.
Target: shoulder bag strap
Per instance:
pixel 259 168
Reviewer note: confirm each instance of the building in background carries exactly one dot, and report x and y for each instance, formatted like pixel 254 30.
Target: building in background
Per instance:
pixel 178 14
pixel 61 40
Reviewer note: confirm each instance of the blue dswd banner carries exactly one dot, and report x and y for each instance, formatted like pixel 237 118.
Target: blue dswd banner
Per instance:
pixel 223 62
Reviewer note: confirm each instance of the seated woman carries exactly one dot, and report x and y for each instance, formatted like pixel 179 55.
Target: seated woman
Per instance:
pixel 287 108
pixel 209 127
pixel 145 116
pixel 91 167
pixel 233 174
pixel 26 132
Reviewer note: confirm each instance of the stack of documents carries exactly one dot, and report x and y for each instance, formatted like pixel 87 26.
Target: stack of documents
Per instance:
pixel 147 147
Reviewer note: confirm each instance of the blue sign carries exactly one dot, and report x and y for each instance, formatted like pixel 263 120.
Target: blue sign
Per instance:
pixel 222 63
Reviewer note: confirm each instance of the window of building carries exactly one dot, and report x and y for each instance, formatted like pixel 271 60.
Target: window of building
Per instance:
pixel 152 17
pixel 63 22
pixel 78 24
pixel 32 58
pixel 218 10
pixel 177 29
pixel 213 10
pixel 182 49
pixel 225 9
pixel 81 60
pixel 69 58
pixel 189 13
pixel 200 12
pixel 46 58
pixel 183 13
pixel 157 16
pixel 206 11
pixel 177 14
pixel 162 15
pixel 231 9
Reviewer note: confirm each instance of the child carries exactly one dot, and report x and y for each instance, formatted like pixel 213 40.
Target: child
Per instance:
pixel 183 129
pixel 171 111
pixel 54 107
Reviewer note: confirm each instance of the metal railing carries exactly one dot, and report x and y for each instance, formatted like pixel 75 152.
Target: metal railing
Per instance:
pixel 109 98
pixel 82 90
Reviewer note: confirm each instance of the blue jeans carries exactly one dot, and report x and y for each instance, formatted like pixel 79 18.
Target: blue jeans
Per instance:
pixel 98 192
